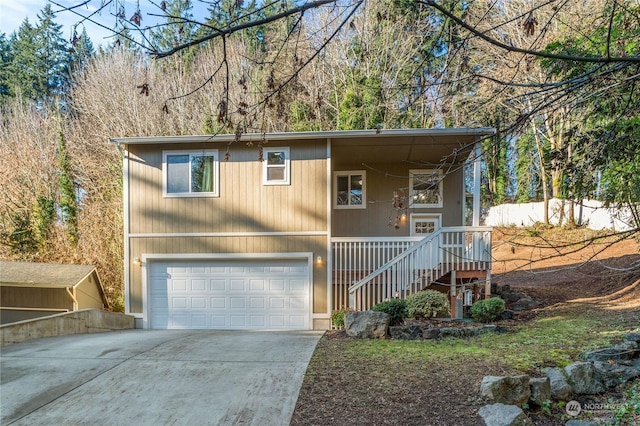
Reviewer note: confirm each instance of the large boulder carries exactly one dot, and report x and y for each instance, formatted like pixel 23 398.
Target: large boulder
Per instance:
pixel 507 389
pixel 560 388
pixel 406 332
pixel 612 374
pixel 524 304
pixel 618 364
pixel 618 354
pixel 503 415
pixel 583 379
pixel 366 324
pixel 540 390
pixel 633 337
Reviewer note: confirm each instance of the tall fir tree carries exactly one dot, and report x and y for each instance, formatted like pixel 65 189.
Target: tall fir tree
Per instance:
pixel 5 60
pixel 81 51
pixel 53 51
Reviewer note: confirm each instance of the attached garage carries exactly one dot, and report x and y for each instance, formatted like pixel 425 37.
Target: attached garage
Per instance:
pixel 249 294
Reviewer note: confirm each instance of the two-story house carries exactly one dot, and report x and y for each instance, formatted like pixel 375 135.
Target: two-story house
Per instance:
pixel 223 234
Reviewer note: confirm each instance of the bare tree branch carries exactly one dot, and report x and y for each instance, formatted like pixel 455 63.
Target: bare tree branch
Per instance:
pixel 539 53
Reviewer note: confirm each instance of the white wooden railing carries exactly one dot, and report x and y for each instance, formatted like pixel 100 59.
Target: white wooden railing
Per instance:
pixel 369 271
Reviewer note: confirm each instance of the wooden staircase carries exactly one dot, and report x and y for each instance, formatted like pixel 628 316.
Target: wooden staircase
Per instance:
pixel 457 253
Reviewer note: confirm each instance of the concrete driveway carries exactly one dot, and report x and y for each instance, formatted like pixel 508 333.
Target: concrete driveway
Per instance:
pixel 155 377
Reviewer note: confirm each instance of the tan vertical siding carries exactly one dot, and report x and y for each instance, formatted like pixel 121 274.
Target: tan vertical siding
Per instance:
pixel 244 204
pixel 46 298
pixel 378 218
pixel 88 295
pixel 317 245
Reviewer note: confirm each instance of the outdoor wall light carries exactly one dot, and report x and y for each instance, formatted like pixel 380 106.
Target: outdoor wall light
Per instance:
pixel 136 260
pixel 319 260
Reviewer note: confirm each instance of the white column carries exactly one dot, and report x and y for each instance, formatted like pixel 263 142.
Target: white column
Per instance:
pixel 476 185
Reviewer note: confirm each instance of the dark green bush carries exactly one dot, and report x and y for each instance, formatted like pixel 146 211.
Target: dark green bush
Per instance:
pixel 487 310
pixel 337 317
pixel 426 304
pixel 396 308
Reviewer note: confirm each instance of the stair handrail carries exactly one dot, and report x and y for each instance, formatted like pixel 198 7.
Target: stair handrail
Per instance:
pixel 427 239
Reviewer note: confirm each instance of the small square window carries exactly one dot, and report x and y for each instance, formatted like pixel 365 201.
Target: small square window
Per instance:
pixel 190 174
pixel 426 188
pixel 425 224
pixel 350 190
pixel 276 166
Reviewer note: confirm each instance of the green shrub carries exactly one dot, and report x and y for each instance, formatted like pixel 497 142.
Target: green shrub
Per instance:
pixel 487 310
pixel 426 304
pixel 337 317
pixel 396 308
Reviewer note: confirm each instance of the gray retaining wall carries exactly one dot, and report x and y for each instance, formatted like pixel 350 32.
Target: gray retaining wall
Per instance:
pixel 76 322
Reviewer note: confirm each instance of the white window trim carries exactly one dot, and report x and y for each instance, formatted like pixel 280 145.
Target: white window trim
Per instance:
pixel 287 167
pixel 417 217
pixel 440 188
pixel 364 189
pixel 191 153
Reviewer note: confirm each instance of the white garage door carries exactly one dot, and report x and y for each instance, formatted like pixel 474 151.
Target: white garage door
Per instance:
pixel 256 294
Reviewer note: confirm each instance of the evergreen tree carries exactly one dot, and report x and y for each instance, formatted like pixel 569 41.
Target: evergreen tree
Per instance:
pixel 25 71
pixel 5 60
pixel 53 51
pixel 178 28
pixel 81 51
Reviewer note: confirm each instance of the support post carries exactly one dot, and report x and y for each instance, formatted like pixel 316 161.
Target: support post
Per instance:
pixel 477 180
pixel 453 298
pixel 487 286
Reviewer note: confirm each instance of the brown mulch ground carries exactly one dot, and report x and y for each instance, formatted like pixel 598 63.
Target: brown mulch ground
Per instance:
pixel 342 388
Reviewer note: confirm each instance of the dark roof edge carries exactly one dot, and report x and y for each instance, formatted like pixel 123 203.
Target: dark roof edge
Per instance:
pixel 342 134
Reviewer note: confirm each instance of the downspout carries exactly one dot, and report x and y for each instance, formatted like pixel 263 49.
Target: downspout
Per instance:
pixel 73 297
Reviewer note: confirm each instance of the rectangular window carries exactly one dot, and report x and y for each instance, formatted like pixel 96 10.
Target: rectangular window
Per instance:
pixel 426 188
pixel 349 190
pixel 190 173
pixel 276 166
pixel 424 224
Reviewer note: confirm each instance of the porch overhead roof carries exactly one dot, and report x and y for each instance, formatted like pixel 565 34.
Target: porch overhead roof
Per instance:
pixel 425 146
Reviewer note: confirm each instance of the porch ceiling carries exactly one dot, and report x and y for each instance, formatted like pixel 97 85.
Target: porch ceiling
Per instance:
pixel 427 150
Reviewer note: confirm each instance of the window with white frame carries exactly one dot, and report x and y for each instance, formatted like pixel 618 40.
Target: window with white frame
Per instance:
pixel 190 173
pixel 426 188
pixel 424 224
pixel 276 166
pixel 349 190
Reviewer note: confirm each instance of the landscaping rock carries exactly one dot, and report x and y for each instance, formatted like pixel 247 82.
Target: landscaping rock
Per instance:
pixel 503 415
pixel 507 315
pixel 612 374
pixel 633 337
pixel 406 332
pixel 366 324
pixel 450 332
pixel 524 304
pixel 583 379
pixel 506 390
pixel 431 333
pixel 626 351
pixel 580 423
pixel 511 296
pixel 540 390
pixel 560 388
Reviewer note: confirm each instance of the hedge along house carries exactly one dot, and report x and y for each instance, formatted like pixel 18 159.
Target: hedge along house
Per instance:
pixel 31 290
pixel 217 237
